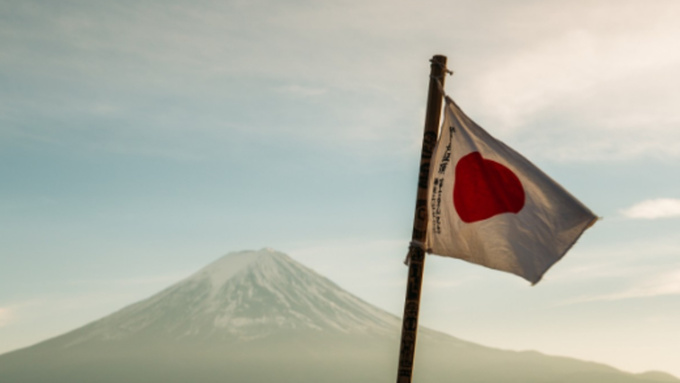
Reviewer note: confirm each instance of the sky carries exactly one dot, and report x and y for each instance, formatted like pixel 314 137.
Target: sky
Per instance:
pixel 142 140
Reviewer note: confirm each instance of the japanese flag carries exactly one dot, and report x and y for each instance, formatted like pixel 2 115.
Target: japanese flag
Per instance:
pixel 490 206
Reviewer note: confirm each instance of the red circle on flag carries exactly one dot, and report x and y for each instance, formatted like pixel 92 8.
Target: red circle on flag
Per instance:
pixel 485 188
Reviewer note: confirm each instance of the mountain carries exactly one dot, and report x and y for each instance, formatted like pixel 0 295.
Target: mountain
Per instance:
pixel 242 297
pixel 259 316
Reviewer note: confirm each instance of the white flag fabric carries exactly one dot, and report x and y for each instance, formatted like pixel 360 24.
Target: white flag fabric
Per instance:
pixel 490 206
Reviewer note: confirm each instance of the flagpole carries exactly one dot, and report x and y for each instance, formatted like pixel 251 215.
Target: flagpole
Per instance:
pixel 416 255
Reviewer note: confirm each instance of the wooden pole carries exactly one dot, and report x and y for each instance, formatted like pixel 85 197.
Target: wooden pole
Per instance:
pixel 416 256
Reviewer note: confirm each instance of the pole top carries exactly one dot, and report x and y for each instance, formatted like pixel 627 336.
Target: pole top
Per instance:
pixel 440 61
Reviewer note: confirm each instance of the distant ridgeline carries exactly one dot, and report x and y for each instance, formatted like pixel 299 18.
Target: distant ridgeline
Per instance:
pixel 259 316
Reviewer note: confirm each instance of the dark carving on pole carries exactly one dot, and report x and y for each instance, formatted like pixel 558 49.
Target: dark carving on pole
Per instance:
pixel 417 253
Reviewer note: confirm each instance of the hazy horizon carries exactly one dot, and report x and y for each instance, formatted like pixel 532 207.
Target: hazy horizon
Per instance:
pixel 257 316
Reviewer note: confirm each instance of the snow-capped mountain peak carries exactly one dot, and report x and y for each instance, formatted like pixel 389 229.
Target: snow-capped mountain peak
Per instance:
pixel 220 271
pixel 242 296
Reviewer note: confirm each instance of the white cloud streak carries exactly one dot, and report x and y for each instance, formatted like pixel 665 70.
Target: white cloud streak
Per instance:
pixel 5 316
pixel 591 61
pixel 582 88
pixel 659 285
pixel 654 209
pixel 154 281
pixel 301 91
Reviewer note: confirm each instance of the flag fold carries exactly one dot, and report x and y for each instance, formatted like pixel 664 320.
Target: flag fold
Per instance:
pixel 490 206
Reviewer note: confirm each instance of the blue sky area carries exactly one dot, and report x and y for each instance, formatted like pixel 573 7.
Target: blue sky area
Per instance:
pixel 141 140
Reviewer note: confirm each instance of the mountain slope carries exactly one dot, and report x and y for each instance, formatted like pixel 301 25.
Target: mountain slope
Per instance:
pixel 242 296
pixel 260 316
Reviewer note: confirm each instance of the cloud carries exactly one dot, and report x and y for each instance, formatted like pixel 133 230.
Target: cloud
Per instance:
pixel 5 316
pixel 642 268
pixel 154 281
pixel 621 260
pixel 301 90
pixel 193 78
pixel 572 93
pixel 659 285
pixel 654 209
